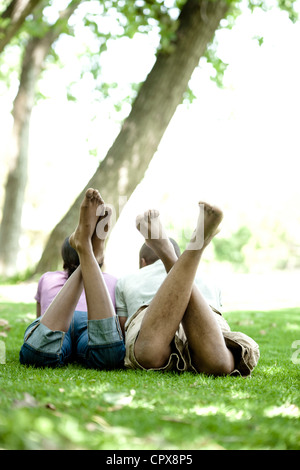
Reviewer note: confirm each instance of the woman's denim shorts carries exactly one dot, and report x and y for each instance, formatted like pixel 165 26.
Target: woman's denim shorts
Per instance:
pixel 96 344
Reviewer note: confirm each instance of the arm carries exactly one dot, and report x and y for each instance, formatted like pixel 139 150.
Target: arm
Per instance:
pixel 121 307
pixel 122 321
pixel 38 310
pixel 38 297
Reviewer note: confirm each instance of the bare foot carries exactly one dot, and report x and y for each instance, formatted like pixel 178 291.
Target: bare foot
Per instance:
pixel 88 218
pixel 208 223
pixel 150 226
pixel 101 232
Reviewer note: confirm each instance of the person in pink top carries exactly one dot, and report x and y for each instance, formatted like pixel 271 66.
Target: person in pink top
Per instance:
pixel 51 282
pixel 76 317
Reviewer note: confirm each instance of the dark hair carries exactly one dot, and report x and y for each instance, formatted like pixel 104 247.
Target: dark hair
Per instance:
pixel 70 257
pixel 150 256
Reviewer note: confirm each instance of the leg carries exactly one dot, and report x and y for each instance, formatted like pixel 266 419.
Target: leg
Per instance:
pixel 59 314
pixel 168 308
pixel 207 346
pixel 90 248
pixel 100 344
pixel 47 341
pixel 48 336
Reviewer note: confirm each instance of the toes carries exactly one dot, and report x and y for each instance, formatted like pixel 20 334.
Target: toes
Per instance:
pixel 211 210
pixel 94 195
pixel 149 214
pixel 152 213
pixel 146 217
pixel 89 193
pixel 97 196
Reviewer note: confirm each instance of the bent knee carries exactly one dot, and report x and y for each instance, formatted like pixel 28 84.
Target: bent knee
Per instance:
pixel 218 366
pixel 151 356
pixel 224 368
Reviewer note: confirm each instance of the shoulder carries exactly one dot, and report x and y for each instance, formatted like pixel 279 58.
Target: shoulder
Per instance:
pixel 109 276
pixel 152 271
pixel 128 279
pixel 58 274
pixel 110 279
pixel 52 276
pixel 132 273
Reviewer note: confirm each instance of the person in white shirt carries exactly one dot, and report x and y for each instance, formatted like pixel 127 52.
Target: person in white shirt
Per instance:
pixel 138 288
pixel 170 317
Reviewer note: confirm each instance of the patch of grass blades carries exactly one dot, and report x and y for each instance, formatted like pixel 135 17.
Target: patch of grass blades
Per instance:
pixel 76 408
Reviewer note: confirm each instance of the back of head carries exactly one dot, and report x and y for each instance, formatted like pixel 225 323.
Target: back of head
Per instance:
pixel 148 256
pixel 70 257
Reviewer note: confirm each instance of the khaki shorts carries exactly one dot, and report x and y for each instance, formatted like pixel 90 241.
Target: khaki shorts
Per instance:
pixel 244 349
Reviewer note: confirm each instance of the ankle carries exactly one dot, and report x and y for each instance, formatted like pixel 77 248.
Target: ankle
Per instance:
pixel 84 248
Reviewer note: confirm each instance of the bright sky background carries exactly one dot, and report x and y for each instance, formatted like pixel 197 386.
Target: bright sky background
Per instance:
pixel 237 147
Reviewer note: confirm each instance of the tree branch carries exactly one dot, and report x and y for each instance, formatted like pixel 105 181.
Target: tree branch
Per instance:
pixel 16 13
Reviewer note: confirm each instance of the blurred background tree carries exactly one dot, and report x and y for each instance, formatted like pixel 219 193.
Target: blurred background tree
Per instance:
pixel 13 17
pixel 186 31
pixel 37 42
pixel 183 41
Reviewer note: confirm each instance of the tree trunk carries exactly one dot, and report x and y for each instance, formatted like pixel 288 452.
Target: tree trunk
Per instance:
pixel 127 160
pixel 34 57
pixel 17 174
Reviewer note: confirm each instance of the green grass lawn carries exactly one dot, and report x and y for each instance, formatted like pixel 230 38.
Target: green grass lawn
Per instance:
pixel 75 408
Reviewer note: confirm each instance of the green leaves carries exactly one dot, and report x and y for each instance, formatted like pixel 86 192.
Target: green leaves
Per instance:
pixel 218 65
pixel 231 249
pixel 288 6
pixel 285 5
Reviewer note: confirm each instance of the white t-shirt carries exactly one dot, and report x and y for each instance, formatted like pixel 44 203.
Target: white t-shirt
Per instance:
pixel 138 289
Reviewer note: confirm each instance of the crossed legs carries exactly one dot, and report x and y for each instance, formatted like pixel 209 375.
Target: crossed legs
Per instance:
pixel 179 301
pixel 90 247
pixel 95 338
